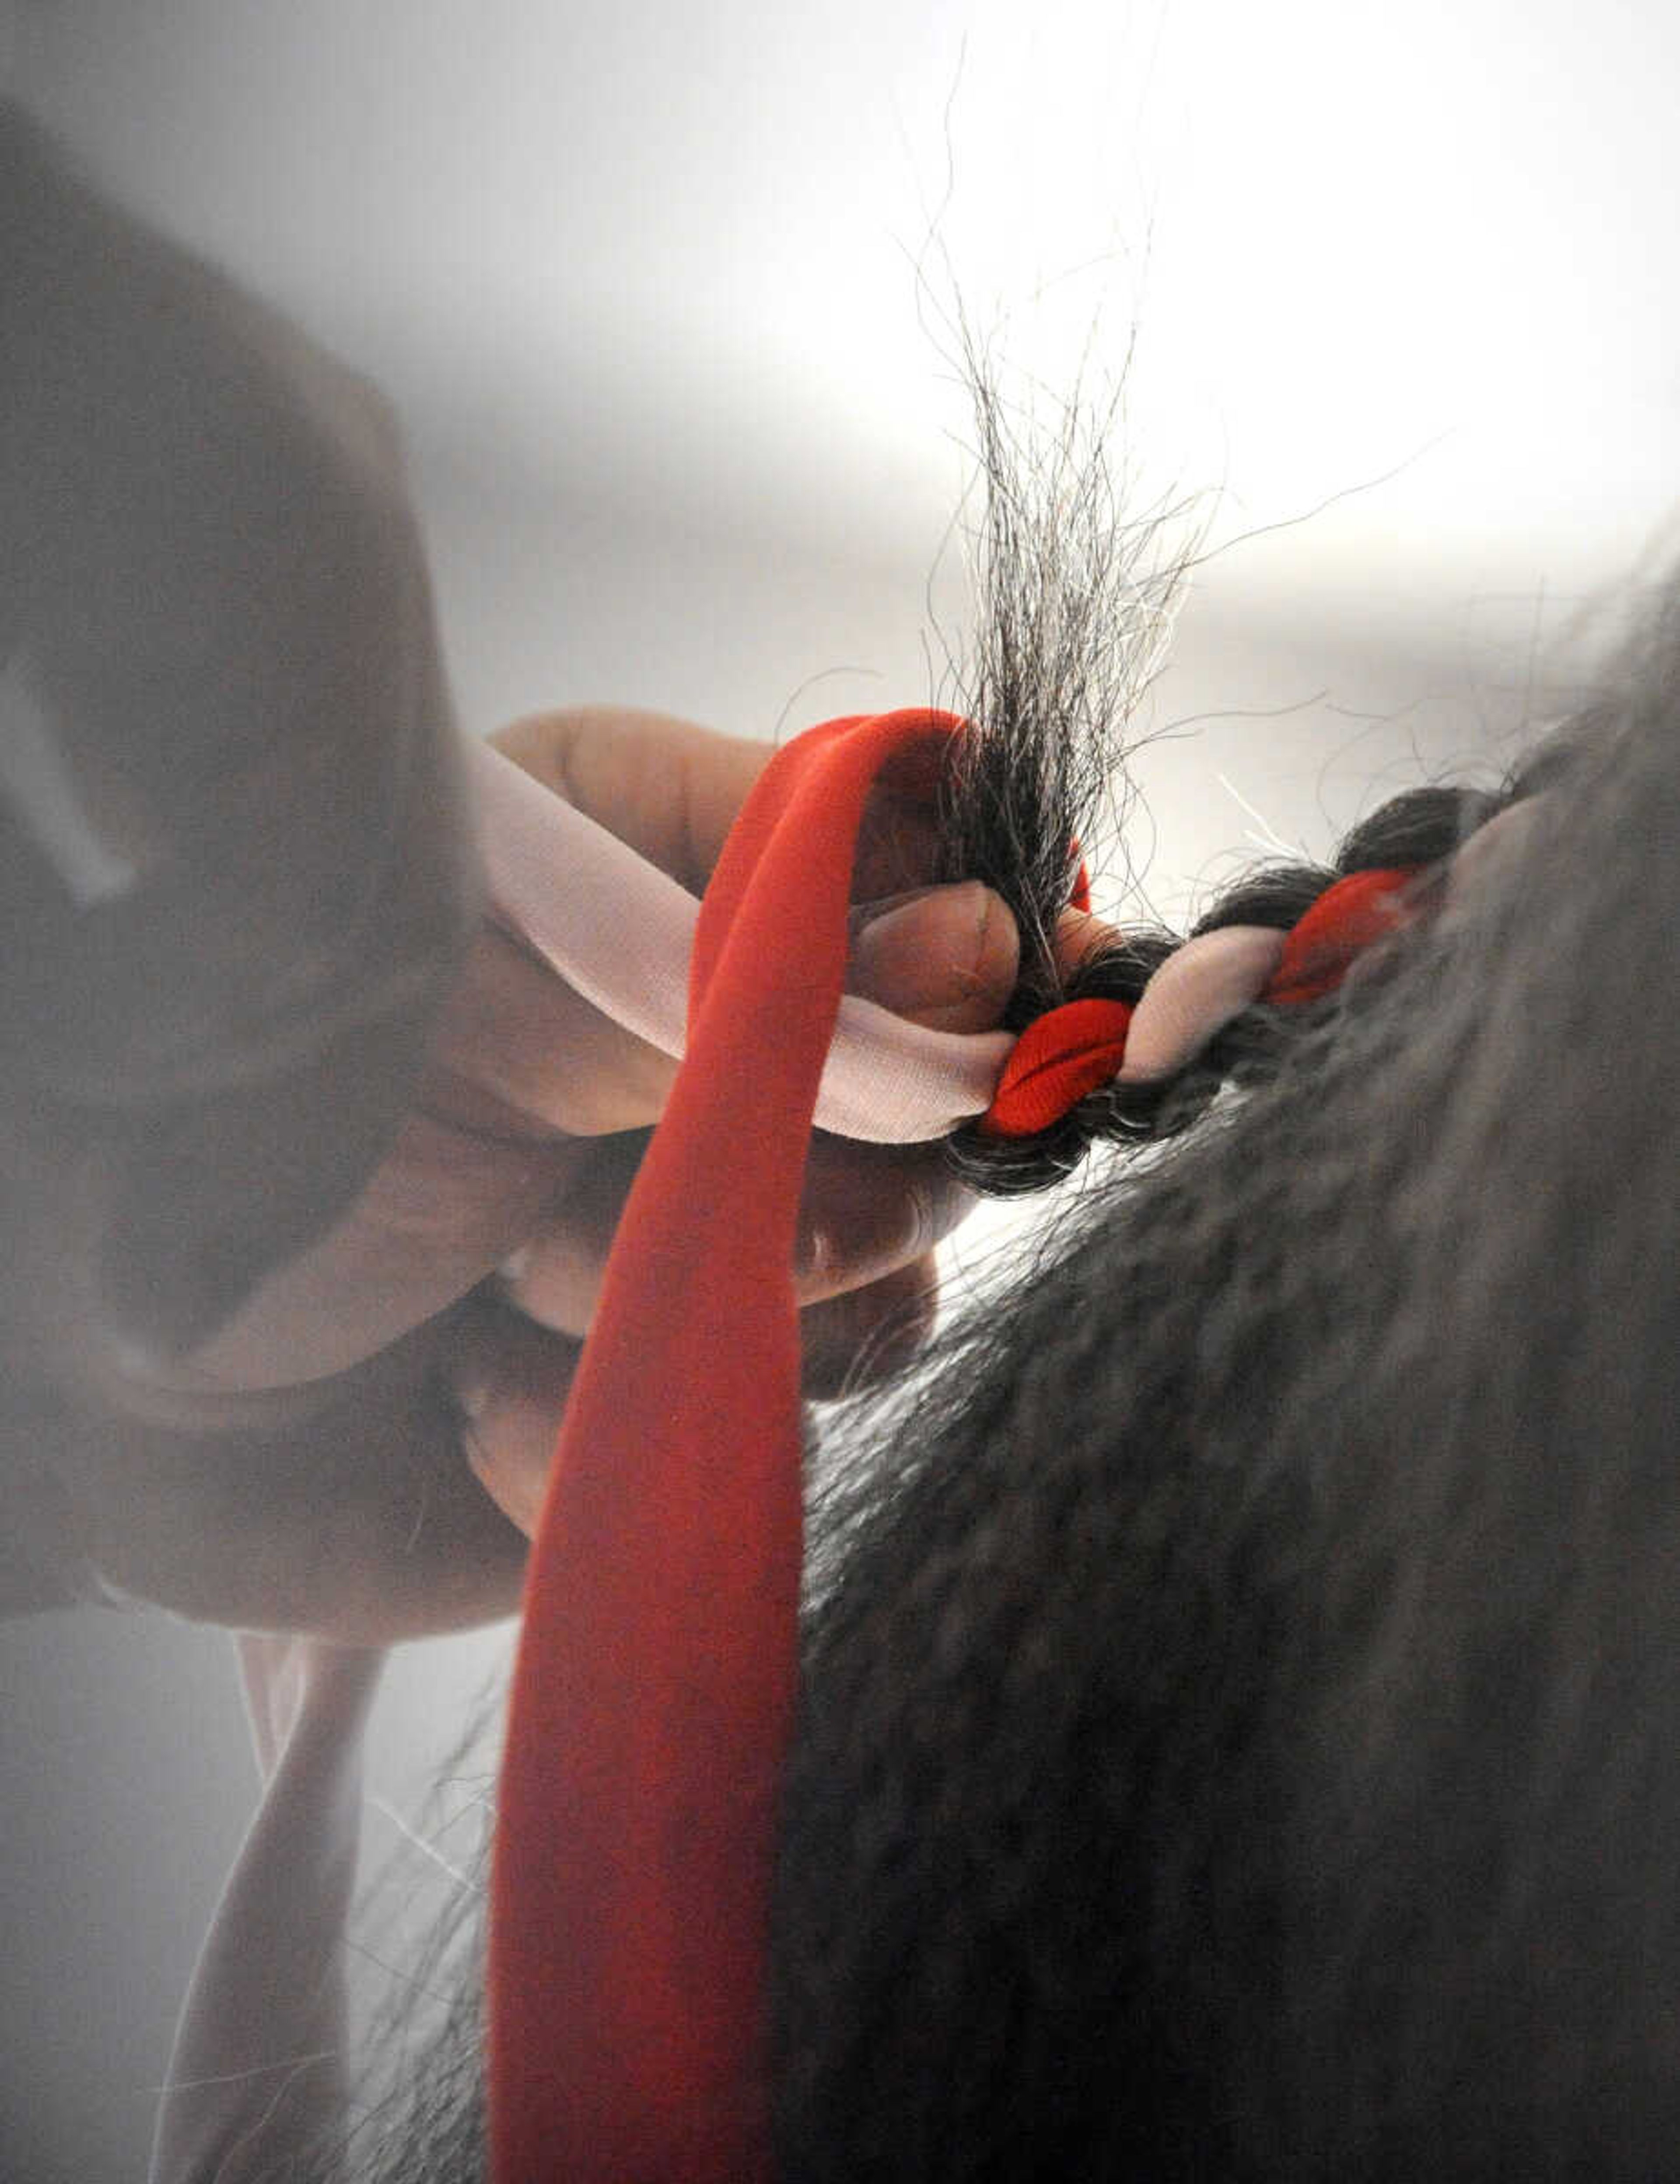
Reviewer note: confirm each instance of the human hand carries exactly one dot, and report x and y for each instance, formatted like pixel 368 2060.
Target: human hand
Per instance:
pixel 216 621
pixel 306 1470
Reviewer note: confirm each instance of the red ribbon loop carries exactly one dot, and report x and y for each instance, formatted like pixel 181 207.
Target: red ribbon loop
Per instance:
pixel 1057 1061
pixel 1347 919
pixel 655 1688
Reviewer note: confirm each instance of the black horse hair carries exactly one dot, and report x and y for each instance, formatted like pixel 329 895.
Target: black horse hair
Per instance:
pixel 1240 1733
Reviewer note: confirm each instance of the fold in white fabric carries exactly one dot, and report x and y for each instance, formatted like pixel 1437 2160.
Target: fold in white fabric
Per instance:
pixel 620 931
pixel 258 2071
pixel 1194 995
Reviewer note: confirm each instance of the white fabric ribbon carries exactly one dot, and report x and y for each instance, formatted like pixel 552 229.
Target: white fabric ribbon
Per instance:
pixel 258 2075
pixel 1194 995
pixel 621 932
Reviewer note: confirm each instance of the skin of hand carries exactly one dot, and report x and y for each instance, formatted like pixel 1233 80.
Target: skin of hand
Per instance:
pixel 345 1452
pixel 273 1113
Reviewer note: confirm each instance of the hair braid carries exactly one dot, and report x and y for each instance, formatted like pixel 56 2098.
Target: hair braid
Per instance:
pixel 1423 826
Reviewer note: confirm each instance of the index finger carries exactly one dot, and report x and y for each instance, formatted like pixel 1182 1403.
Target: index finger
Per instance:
pixel 672 790
pixel 667 787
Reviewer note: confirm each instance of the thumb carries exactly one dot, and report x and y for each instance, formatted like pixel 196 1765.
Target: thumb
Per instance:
pixel 945 956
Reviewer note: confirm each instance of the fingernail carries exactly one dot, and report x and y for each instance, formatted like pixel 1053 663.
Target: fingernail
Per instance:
pixel 924 950
pixel 863 915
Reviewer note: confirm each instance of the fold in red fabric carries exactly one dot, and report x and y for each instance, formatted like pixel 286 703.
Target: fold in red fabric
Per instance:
pixel 1058 1059
pixel 1346 918
pixel 653 1692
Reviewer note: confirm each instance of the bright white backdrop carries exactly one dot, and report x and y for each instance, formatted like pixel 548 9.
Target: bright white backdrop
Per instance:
pixel 661 250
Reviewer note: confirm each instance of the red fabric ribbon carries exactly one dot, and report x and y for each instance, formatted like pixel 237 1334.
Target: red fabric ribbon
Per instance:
pixel 1346 919
pixel 1058 1059
pixel 654 1686
pixel 1072 1051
